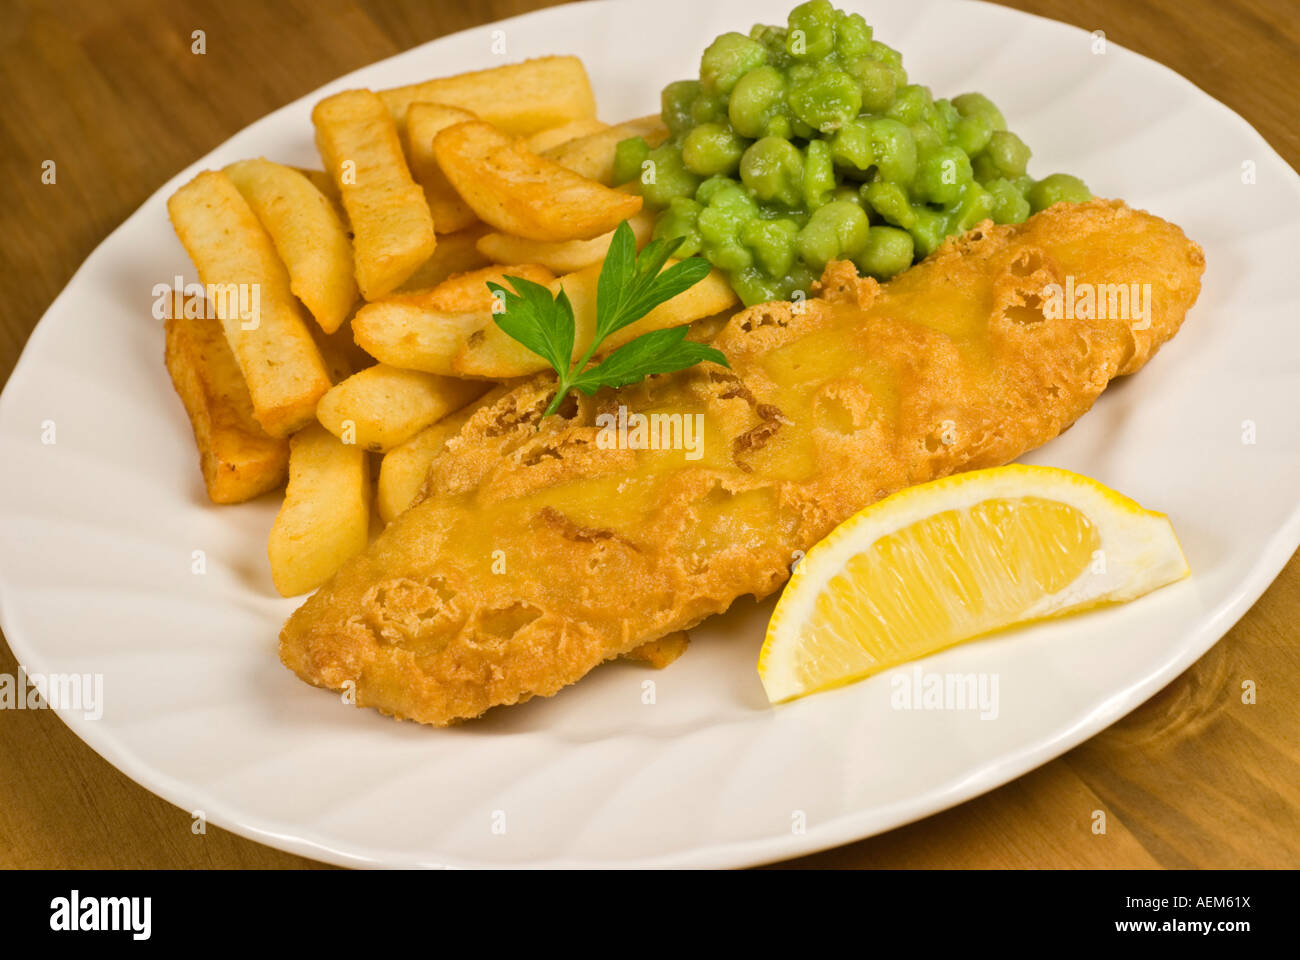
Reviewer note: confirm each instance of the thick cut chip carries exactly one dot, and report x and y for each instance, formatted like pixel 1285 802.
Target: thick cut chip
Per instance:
pixel 468 292
pixel 382 406
pixel 404 468
pixel 248 288
pixel 325 519
pixel 520 98
pixel 464 298
pixel 544 140
pixel 310 237
pixel 423 122
pixel 565 256
pixel 391 224
pixel 405 334
pixel 238 458
pixel 592 156
pixel 523 194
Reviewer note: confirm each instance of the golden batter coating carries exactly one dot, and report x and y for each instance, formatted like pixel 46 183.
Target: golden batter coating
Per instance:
pixel 536 554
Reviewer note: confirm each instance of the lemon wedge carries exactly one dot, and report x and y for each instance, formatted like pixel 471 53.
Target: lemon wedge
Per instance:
pixel 950 560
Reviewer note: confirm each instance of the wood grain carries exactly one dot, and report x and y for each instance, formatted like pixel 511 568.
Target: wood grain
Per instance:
pixel 112 94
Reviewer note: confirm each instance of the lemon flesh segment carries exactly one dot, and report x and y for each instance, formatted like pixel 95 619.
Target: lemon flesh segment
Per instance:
pixel 953 560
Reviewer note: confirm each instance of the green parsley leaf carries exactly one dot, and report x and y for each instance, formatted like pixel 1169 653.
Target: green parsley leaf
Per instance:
pixel 629 287
pixel 660 351
pixel 542 323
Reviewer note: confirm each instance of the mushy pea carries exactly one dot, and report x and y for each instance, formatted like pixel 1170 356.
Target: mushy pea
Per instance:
pixel 806 143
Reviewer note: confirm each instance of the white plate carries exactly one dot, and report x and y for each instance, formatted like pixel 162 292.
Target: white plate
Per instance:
pixel 100 527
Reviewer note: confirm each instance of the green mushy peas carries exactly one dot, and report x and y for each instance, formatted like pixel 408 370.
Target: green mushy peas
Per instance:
pixel 806 143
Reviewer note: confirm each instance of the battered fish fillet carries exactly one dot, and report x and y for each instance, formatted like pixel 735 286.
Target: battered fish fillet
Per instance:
pixel 537 554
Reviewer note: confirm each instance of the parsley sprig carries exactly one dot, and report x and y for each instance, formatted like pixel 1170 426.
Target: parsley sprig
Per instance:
pixel 630 286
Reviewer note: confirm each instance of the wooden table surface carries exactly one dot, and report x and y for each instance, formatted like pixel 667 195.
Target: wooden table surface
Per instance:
pixel 110 90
